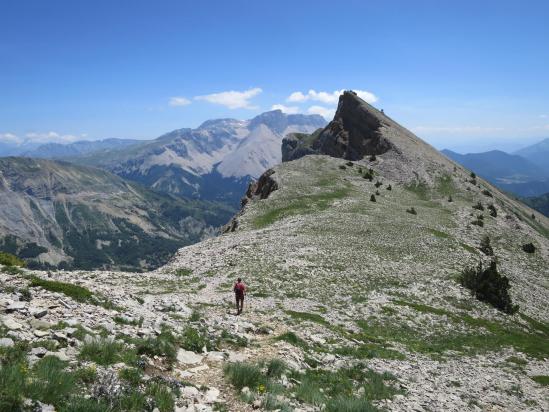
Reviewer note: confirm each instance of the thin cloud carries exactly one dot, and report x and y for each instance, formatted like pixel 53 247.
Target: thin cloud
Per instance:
pixel 179 101
pixel 285 109
pixel 325 112
pixel 232 99
pixel 52 137
pixel 329 97
pixel 10 138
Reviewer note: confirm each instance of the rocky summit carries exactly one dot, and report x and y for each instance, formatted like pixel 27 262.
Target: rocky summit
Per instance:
pixel 381 276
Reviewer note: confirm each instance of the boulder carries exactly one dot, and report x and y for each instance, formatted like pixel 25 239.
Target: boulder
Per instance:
pixel 188 357
pixel 6 343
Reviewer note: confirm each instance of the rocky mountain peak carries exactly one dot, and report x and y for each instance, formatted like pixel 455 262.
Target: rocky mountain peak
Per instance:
pixel 278 121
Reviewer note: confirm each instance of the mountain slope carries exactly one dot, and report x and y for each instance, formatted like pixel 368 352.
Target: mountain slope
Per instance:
pixel 214 161
pixel 58 212
pixel 358 298
pixel 540 203
pixel 537 153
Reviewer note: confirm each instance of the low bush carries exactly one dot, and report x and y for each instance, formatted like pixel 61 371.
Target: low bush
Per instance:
pixel 102 351
pixel 342 167
pixel 389 187
pixel 293 339
pixel 275 368
pixel 241 374
pixel 487 285
pixel 194 339
pixel 162 396
pixel 450 198
pixel 479 221
pixel 165 345
pixel 51 384
pixel 492 211
pixel 372 198
pixel 349 404
pixel 412 211
pixel 529 248
pixel 373 158
pixel 487 193
pixel 485 246
pixel 378 184
pixel 7 259
pixel 478 206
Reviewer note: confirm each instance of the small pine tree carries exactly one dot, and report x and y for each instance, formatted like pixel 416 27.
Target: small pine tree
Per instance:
pixel 487 285
pixel 450 198
pixel 492 210
pixel 378 184
pixel 529 247
pixel 412 211
pixel 478 206
pixel 377 192
pixel 372 158
pixel 389 187
pixel 486 247
pixel 372 198
pixel 473 175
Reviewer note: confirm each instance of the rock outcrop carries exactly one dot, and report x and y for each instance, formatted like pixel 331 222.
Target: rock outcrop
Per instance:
pixel 355 131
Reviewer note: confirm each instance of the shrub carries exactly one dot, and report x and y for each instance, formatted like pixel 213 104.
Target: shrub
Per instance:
pixel 377 192
pixel 162 396
pixel 487 193
pixel 412 211
pixel 50 383
pixel 183 272
pixel 293 339
pixel 12 386
pixel 131 375
pixel 372 198
pixel 101 351
pixel 478 206
pixel 389 187
pixel 473 175
pixel 79 404
pixel 450 198
pixel 242 374
pixel 372 158
pixel 275 368
pixel 342 167
pixel 8 259
pixel 492 210
pixel 164 345
pixel 349 164
pixel 529 247
pixel 378 184
pixel 194 340
pixel 485 246
pixel 487 285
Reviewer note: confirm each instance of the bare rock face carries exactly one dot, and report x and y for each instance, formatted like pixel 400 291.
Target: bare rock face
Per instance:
pixel 355 132
pixel 260 189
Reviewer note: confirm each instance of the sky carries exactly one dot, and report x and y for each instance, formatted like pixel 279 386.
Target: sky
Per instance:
pixel 467 75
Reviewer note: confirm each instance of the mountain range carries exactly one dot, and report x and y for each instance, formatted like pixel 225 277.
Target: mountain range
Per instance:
pixel 57 214
pixel 213 162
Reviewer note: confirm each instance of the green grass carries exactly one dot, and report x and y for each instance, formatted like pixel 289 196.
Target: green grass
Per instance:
pixel 305 316
pixel 445 185
pixel 350 404
pixel 183 272
pixel 50 384
pixel 439 234
pixel 469 249
pixel 486 336
pixel 293 339
pixel 78 293
pixel 241 374
pixel 369 351
pixel 8 259
pixel 123 321
pixel 164 345
pixel 103 351
pixel 275 368
pixel 422 308
pixel 131 375
pixel 541 379
pixel 162 396
pixel 420 189
pixel 194 339
pixel 303 205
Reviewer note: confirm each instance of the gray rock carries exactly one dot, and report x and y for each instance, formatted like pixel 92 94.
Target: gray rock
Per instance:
pixel 11 324
pixel 41 333
pixel 40 324
pixel 39 352
pixel 188 358
pixel 16 307
pixel 38 312
pixel 6 342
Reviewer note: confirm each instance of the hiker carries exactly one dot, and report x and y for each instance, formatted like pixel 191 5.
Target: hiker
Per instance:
pixel 239 290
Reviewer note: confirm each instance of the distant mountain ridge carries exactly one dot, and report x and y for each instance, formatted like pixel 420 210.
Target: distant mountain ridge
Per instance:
pixel 214 161
pixel 78 148
pixel 537 153
pixel 510 172
pixel 56 213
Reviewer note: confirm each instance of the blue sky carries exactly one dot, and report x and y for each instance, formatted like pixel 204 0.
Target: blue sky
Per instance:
pixel 467 75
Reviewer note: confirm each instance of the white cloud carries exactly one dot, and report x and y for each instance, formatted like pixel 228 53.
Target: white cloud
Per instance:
pixel 232 99
pixel 285 109
pixel 325 112
pixel 10 138
pixel 52 137
pixel 179 101
pixel 329 97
